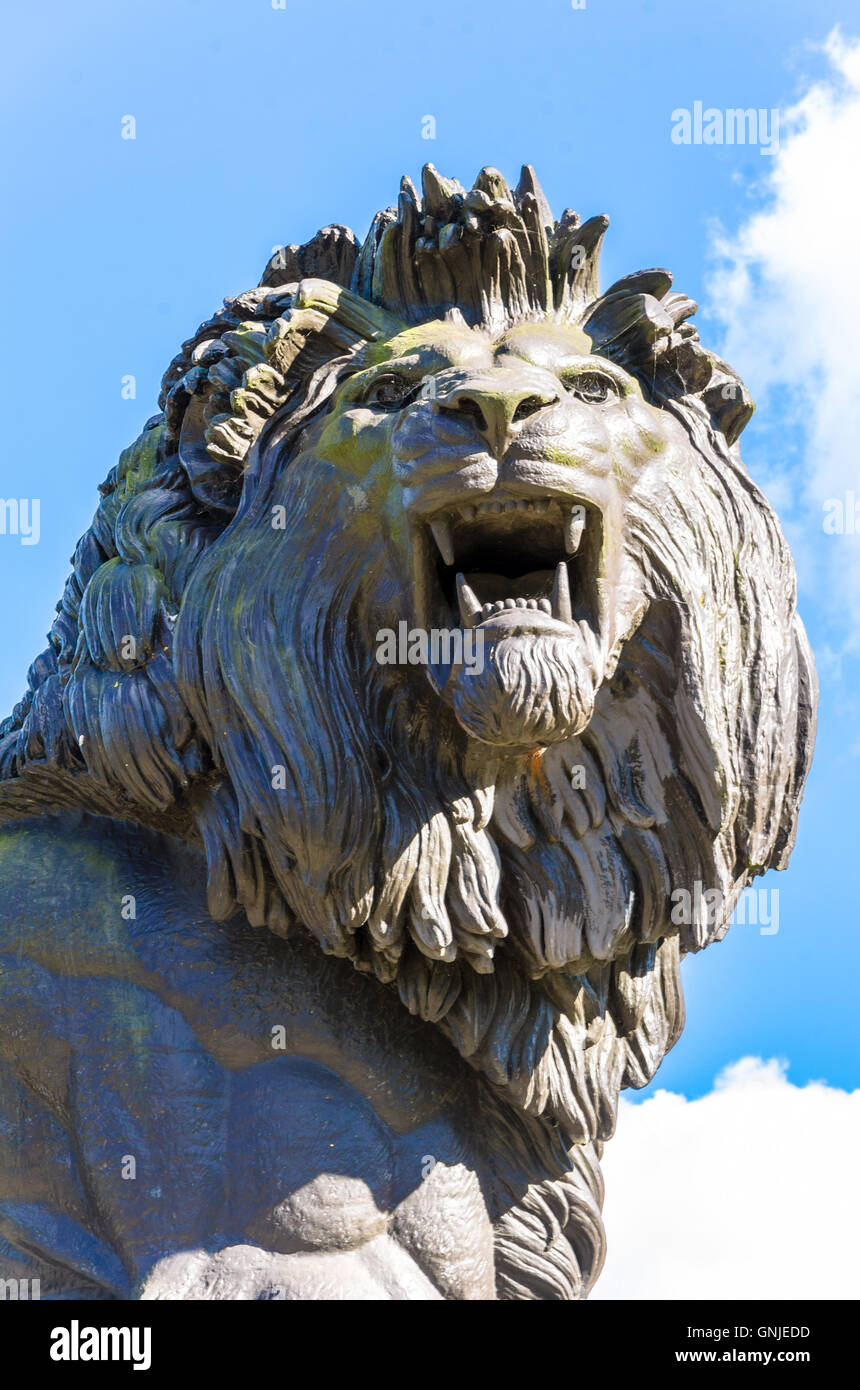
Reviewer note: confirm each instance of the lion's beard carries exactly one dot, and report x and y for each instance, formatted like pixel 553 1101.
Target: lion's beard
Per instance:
pixel 532 691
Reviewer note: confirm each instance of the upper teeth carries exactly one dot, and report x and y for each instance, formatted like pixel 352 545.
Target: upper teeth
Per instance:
pixel 572 514
pixel 494 505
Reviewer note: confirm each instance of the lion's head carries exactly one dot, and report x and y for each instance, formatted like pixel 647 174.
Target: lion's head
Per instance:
pixel 438 605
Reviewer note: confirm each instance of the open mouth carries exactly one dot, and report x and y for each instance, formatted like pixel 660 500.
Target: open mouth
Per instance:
pixel 510 564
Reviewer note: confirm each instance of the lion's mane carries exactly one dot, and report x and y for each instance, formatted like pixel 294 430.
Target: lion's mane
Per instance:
pixel 528 918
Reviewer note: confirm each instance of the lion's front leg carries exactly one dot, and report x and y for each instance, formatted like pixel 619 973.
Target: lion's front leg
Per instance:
pixel 330 1240
pixel 381 1269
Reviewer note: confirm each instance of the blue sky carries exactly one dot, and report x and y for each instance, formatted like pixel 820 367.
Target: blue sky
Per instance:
pixel 255 126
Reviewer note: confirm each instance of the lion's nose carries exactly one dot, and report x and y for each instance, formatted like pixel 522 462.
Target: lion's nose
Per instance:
pixel 496 414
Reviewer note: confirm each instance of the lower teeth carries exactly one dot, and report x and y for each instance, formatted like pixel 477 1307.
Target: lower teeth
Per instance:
pixel 557 606
pixel 541 605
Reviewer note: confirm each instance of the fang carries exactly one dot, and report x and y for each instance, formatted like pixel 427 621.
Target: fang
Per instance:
pixel 441 528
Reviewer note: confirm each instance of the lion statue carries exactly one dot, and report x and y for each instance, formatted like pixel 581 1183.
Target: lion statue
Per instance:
pixel 425 649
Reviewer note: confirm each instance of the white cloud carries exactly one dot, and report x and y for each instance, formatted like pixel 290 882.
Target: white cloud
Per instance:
pixel 787 291
pixel 748 1192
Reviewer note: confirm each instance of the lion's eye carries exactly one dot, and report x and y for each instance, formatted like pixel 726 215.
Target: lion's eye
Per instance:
pixel 592 386
pixel 390 391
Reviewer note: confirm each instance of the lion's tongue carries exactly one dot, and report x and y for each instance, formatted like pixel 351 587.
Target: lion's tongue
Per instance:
pixel 540 591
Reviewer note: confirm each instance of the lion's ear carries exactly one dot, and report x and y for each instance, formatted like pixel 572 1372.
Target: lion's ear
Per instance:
pixel 330 255
pixel 644 328
pixel 726 399
pixel 240 371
